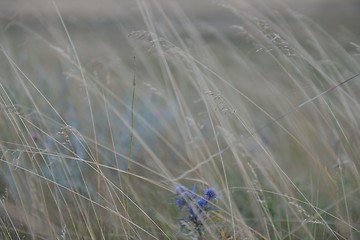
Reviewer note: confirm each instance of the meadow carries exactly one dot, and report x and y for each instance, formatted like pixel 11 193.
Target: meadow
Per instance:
pixel 155 124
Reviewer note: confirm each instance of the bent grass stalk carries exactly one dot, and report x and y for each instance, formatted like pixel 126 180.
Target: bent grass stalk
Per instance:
pixel 131 140
pixel 132 115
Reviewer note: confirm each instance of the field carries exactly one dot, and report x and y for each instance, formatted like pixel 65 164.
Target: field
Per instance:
pixel 179 120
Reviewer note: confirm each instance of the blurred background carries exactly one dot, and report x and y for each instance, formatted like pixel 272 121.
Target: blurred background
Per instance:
pixel 331 13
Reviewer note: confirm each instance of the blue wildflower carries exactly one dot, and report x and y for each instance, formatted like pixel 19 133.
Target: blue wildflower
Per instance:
pixel 193 191
pixel 180 189
pixel 202 203
pixel 210 194
pixel 185 195
pixel 195 214
pixel 198 209
pixel 180 202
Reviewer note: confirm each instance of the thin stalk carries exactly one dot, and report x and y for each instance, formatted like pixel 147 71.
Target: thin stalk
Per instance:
pixel 132 117
pixel 127 181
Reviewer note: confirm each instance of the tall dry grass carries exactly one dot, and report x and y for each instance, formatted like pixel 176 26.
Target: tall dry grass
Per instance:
pixel 265 111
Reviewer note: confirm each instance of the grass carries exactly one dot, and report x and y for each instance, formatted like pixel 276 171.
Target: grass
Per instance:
pixel 265 112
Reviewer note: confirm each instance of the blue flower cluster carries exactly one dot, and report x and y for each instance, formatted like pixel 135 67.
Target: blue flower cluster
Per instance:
pixel 196 206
